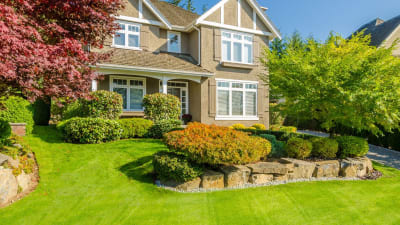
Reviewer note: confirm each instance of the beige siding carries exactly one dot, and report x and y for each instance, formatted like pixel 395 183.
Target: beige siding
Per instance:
pixel 246 15
pixel 195 101
pixel 261 26
pixel 215 17
pixel 230 13
pixel 131 8
pixel 393 38
pixel 194 45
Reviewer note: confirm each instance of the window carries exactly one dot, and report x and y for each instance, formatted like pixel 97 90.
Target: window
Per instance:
pixel 237 47
pixel 128 36
pixel 180 90
pixel 236 100
pixel 174 42
pixel 132 91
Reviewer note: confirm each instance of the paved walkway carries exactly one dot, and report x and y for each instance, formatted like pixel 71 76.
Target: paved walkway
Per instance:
pixel 381 155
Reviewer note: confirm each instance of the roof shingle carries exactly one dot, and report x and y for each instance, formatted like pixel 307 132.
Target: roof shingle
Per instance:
pixel 380 30
pixel 175 15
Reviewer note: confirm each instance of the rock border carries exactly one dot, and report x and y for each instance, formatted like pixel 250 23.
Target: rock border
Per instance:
pixel 274 172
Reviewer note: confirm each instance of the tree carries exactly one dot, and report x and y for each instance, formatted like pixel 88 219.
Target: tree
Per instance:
pixel 339 82
pixel 42 45
pixel 188 5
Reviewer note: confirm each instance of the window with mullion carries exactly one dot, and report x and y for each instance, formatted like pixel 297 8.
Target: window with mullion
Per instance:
pixel 237 47
pixel 132 92
pixel 128 36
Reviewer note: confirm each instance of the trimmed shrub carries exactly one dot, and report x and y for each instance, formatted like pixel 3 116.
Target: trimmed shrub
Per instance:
pixel 161 107
pixel 5 130
pixel 324 148
pixel 176 167
pixel 18 110
pixel 280 135
pixel 288 129
pixel 298 148
pixel 41 112
pixel 90 130
pixel 277 147
pixel 135 128
pixel 238 126
pixel 259 126
pixel 215 145
pixel 350 146
pixel 161 127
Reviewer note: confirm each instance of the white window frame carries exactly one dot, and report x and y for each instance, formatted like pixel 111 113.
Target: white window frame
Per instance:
pixel 243 42
pixel 126 33
pixel 230 89
pixel 179 41
pixel 182 88
pixel 128 94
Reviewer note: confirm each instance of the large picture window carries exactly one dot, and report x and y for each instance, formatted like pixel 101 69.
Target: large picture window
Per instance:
pixel 132 91
pixel 237 47
pixel 236 99
pixel 128 36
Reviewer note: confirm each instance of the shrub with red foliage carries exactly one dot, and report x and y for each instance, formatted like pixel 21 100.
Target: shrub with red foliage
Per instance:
pixel 215 145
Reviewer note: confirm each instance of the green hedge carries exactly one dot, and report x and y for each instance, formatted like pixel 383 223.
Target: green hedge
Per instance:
pixel 350 146
pixel 135 128
pixel 277 147
pixel 161 127
pixel 5 130
pixel 324 148
pixel 90 130
pixel 161 107
pixel 170 166
pixel 18 110
pixel 298 148
pixel 280 135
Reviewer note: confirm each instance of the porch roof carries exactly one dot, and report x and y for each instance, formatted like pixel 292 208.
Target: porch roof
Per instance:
pixel 159 61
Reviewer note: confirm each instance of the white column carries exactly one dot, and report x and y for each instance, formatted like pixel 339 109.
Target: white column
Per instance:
pixel 165 85
pixel 94 85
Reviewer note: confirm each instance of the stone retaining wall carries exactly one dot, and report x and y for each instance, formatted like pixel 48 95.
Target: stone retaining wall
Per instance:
pixel 281 170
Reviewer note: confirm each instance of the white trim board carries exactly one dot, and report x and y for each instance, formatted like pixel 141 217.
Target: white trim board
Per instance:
pixel 234 28
pixel 158 14
pixel 391 35
pixel 138 20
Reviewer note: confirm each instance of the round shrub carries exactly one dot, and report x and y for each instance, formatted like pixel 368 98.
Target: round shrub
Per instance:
pixel 161 107
pixel 18 110
pixel 324 148
pixel 238 126
pixel 215 145
pixel 102 104
pixel 259 126
pixel 161 127
pixel 135 128
pixel 350 146
pixel 5 130
pixel 41 112
pixel 298 148
pixel 288 129
pixel 277 147
pixel 91 130
pixel 176 167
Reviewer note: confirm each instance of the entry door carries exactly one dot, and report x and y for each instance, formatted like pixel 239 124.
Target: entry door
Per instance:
pixel 180 90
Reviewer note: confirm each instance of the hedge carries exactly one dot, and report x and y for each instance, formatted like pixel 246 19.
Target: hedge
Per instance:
pixel 324 148
pixel 161 106
pixel 280 135
pixel 5 130
pixel 161 127
pixel 171 166
pixel 18 110
pixel 90 130
pixel 135 127
pixel 278 147
pixel 215 145
pixel 298 148
pixel 350 146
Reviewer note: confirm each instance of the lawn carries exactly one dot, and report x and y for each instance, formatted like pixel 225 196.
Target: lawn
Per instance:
pixel 110 184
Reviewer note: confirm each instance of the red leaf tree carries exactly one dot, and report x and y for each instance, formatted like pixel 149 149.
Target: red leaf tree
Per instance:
pixel 42 45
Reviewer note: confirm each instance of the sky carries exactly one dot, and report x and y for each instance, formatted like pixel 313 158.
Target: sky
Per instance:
pixel 319 17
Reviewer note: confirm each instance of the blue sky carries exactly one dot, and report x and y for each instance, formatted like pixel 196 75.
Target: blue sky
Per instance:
pixel 319 17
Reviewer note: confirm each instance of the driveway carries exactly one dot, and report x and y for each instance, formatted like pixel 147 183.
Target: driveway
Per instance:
pixel 378 154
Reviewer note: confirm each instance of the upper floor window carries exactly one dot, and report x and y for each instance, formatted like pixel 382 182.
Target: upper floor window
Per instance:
pixel 237 47
pixel 128 36
pixel 174 42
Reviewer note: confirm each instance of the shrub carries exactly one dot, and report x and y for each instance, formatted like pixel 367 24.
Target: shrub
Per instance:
pixel 238 126
pixel 280 135
pixel 259 126
pixel 288 129
pixel 215 145
pixel 176 167
pixel 161 127
pixel 298 148
pixel 161 107
pixel 277 147
pixel 350 146
pixel 275 114
pixel 91 130
pixel 18 110
pixel 5 130
pixel 135 128
pixel 324 148
pixel 41 112
pixel 102 104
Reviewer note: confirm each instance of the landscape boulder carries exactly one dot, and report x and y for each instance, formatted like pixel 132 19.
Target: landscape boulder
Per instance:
pixel 8 186
pixel 281 177
pixel 24 180
pixel 236 175
pixel 261 178
pixel 301 170
pixel 355 167
pixel 278 167
pixel 183 186
pixel 212 180
pixel 328 168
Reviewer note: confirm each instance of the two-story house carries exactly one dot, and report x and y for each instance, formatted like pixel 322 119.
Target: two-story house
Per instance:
pixel 383 33
pixel 210 61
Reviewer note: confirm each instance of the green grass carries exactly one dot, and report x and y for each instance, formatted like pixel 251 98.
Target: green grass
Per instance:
pixel 110 184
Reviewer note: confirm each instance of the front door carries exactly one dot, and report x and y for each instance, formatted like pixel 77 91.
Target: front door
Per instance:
pixel 180 90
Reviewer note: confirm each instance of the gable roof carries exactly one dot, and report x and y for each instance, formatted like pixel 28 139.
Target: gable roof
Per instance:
pixel 380 30
pixel 158 14
pixel 175 15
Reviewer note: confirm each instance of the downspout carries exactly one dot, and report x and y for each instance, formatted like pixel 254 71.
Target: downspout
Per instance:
pixel 199 32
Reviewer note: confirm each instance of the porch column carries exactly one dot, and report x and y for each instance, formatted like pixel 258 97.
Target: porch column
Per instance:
pixel 165 85
pixel 94 85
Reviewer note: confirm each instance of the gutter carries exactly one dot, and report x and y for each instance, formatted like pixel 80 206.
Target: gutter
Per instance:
pixel 198 30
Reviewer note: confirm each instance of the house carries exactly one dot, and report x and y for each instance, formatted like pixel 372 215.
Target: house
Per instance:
pixel 210 61
pixel 383 33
